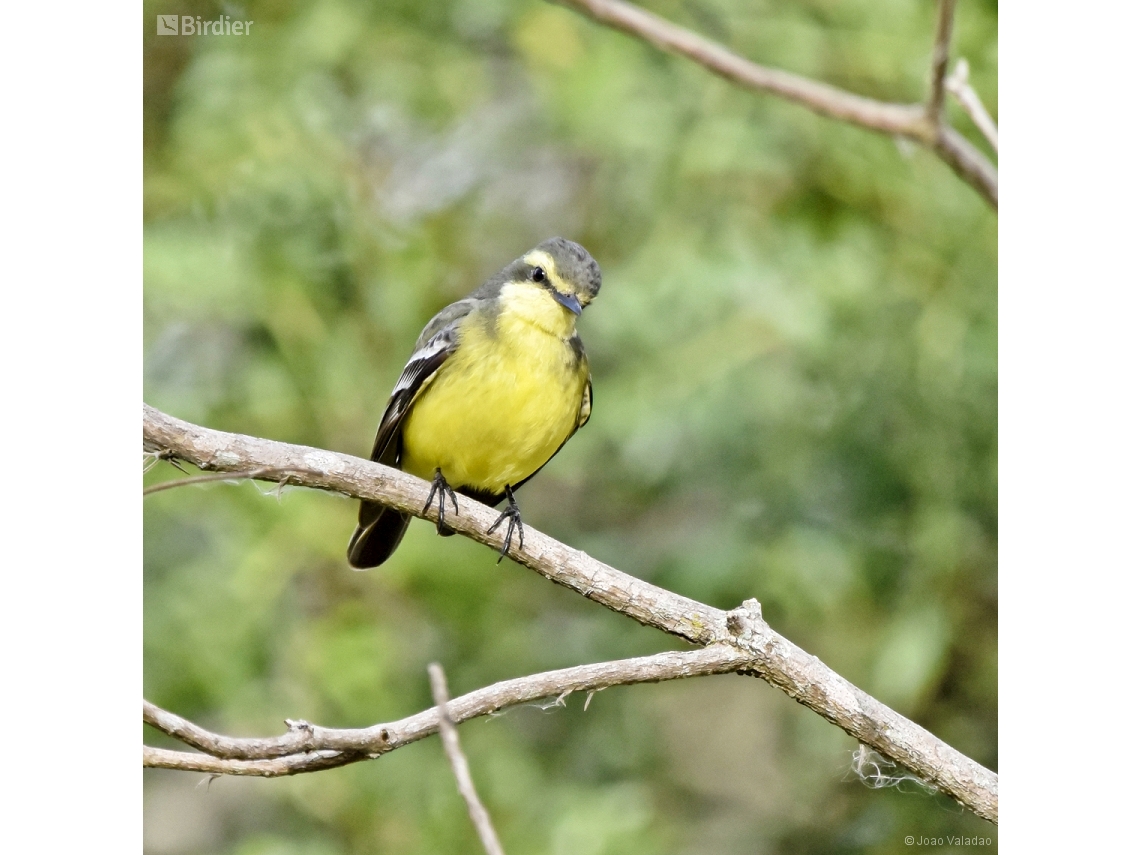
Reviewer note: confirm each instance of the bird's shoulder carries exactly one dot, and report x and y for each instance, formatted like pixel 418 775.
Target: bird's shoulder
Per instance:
pixel 481 303
pixel 443 327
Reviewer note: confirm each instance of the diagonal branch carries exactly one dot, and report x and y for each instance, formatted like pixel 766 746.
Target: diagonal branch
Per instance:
pixel 449 736
pixel 822 98
pixel 326 470
pixel 741 631
pixel 912 121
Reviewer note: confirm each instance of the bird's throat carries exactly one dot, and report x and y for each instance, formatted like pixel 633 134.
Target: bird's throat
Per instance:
pixel 524 303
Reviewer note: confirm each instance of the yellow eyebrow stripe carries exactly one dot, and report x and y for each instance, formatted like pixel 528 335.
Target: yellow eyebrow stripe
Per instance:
pixel 543 259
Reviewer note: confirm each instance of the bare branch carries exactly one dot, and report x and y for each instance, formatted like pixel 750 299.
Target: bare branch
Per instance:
pixel 307 747
pixel 219 451
pixel 450 738
pixel 958 85
pixel 906 120
pixel 970 164
pixel 807 680
pixel 163 758
pixel 821 98
pixel 939 58
pixel 736 640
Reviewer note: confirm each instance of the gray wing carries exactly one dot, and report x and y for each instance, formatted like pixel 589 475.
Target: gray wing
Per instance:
pixel 586 408
pixel 379 529
pixel 436 343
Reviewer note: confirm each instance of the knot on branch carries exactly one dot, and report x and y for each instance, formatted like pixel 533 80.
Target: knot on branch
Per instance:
pixel 748 631
pixel 747 627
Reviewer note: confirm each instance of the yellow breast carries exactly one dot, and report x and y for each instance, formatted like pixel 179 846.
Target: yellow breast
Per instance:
pixel 504 402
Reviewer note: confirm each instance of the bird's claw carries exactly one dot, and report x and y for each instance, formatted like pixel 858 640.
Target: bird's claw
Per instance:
pixel 441 490
pixel 513 516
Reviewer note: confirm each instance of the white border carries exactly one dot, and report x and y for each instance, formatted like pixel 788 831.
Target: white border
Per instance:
pixel 71 352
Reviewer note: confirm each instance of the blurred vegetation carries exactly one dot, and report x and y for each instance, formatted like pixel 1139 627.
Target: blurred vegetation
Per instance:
pixel 794 356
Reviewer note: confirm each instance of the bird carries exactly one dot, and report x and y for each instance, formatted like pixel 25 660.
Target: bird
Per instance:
pixel 498 382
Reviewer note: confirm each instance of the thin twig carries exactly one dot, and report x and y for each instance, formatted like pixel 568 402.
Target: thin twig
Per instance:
pixel 203 479
pixel 939 58
pixel 156 455
pixel 770 656
pixel 958 85
pixel 449 735
pixel 899 120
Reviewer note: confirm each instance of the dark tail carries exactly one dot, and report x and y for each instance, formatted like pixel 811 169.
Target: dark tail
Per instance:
pixel 378 533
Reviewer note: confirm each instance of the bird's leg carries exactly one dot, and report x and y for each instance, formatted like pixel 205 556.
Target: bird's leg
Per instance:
pixel 513 516
pixel 440 490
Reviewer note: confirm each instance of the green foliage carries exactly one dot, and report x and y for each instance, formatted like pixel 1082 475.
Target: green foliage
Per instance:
pixel 795 371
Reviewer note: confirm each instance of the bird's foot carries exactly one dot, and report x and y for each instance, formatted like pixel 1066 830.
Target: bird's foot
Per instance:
pixel 513 516
pixel 441 490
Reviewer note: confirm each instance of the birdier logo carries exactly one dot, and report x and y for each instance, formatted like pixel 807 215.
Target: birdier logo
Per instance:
pixel 193 25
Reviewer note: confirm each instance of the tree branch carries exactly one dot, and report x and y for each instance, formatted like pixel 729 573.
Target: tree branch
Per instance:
pixel 306 747
pixel 958 85
pixel 939 58
pixel 326 470
pixel 913 121
pixel 739 633
pixel 449 736
pixel 163 758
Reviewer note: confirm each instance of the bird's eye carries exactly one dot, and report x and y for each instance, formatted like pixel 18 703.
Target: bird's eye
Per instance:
pixel 538 275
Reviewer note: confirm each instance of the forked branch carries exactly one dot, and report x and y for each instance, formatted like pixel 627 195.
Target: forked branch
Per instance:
pixel 308 747
pixel 738 640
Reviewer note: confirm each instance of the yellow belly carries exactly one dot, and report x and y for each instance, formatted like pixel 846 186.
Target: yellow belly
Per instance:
pixel 498 409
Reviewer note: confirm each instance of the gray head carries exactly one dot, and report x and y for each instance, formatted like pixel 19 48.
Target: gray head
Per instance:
pixel 558 266
pixel 568 267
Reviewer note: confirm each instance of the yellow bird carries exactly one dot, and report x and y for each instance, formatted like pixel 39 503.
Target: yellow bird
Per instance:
pixel 497 384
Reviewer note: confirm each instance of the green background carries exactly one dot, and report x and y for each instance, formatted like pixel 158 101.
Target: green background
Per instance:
pixel 794 356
